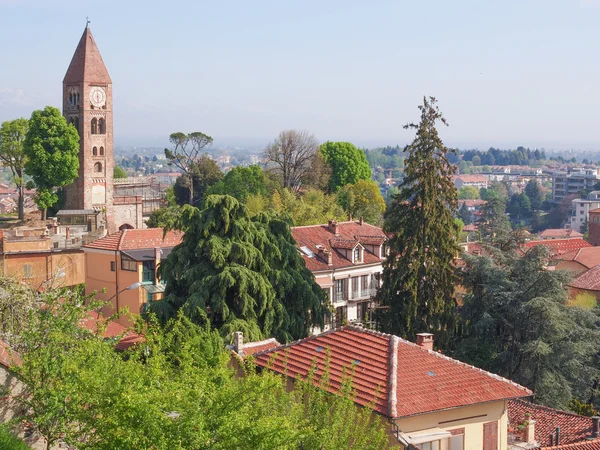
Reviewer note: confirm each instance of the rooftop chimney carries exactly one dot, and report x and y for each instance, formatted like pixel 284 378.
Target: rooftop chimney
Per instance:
pixel 333 227
pixel 326 255
pixel 425 340
pixel 530 432
pixel 238 342
pixel 361 220
pixel 595 426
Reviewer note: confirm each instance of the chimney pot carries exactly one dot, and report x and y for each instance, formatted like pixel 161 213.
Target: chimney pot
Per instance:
pixel 329 258
pixel 333 227
pixel 361 220
pixel 425 340
pixel 595 426
pixel 238 342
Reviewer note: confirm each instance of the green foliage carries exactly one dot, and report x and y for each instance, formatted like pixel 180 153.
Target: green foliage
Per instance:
pixel 240 182
pixel 362 199
pixel 519 206
pixel 185 155
pixel 204 172
pixel 165 217
pixel 17 300
pixel 468 193
pixel 12 154
pixel 8 441
pixel 348 164
pixel 582 408
pixel 535 194
pixel 517 323
pixel 119 172
pixel 465 215
pixel 243 273
pixel 583 300
pixel 52 149
pixel 496 221
pixel 174 392
pixel 311 208
pixel 418 275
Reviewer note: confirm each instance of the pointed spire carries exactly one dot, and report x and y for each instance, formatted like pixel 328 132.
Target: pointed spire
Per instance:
pixel 87 64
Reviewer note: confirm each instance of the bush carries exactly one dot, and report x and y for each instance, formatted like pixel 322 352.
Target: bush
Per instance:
pixel 8 441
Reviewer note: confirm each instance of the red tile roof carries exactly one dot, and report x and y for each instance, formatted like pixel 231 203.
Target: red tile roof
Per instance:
pixel 251 348
pixel 8 357
pixel 113 329
pixel 470 178
pixel 589 280
pixel 583 445
pixel 573 427
pixel 137 240
pixel 313 236
pixel 558 247
pixel 395 377
pixel 587 256
pixel 559 233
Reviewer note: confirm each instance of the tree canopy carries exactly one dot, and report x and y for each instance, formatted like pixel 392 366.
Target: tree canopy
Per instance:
pixel 12 154
pixel 204 172
pixel 348 164
pixel 119 172
pixel 244 273
pixel 362 199
pixel 52 149
pixel 240 182
pixel 418 275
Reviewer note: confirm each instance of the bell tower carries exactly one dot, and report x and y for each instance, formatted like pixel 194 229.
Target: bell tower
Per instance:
pixel 87 104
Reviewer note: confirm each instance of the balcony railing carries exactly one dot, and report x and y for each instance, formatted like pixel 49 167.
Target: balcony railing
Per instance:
pixel 363 293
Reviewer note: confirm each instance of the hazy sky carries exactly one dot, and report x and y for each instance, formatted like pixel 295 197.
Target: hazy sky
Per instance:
pixel 506 73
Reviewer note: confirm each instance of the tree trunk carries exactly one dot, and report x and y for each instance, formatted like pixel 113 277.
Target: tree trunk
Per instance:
pixel 191 190
pixel 44 212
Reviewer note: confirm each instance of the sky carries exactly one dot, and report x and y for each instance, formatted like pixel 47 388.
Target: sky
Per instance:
pixel 505 73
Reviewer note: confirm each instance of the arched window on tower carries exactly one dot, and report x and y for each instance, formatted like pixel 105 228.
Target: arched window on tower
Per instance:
pixel 95 151
pixel 101 151
pixel 94 126
pixel 101 126
pixel 98 167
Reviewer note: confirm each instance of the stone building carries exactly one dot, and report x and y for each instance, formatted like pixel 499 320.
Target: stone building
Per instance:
pixel 88 105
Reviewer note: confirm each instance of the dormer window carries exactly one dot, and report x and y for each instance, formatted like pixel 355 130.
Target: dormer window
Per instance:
pixel 357 254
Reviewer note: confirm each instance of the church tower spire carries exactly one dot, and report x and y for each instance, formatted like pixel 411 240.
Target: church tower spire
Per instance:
pixel 87 104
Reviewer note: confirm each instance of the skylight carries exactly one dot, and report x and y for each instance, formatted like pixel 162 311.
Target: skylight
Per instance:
pixel 307 251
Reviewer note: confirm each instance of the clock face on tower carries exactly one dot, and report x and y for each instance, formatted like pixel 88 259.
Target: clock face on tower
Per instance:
pixel 97 96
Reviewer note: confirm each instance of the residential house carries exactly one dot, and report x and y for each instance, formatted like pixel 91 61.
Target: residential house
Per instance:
pixel 594 226
pixel 587 282
pixel 559 233
pixel 578 261
pixel 346 259
pixel 29 255
pixel 427 400
pixel 478 181
pixel 121 268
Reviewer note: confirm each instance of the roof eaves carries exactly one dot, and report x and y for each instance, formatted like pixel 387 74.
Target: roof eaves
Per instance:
pixel 121 239
pixel 393 377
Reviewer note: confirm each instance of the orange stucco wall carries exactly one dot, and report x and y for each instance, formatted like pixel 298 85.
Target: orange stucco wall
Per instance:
pixel 106 283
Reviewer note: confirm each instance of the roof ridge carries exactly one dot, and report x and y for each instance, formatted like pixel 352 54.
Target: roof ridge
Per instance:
pixel 549 408
pixel 257 343
pixel 393 377
pixel 121 238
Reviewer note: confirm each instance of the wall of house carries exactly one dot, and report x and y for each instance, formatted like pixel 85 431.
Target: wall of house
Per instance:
pixel 471 418
pixel 106 284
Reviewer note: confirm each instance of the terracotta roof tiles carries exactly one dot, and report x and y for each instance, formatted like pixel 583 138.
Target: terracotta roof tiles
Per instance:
pixel 558 247
pixel 87 64
pixel 112 330
pixel 315 236
pixel 8 357
pixel 589 280
pixel 586 256
pixel 573 427
pixel 137 240
pixel 395 377
pixel 559 233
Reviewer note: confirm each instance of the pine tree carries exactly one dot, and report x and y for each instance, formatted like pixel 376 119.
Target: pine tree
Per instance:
pixel 418 277
pixel 243 273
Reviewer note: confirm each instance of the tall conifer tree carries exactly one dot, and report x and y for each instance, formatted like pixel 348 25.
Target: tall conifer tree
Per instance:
pixel 418 279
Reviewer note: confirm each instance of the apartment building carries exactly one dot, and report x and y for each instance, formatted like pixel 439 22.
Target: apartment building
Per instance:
pixel 573 182
pixel 580 209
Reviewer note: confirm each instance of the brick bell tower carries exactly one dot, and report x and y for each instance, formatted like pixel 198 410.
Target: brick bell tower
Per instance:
pixel 87 104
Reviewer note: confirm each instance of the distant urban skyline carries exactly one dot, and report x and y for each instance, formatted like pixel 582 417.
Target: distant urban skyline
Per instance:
pixel 505 73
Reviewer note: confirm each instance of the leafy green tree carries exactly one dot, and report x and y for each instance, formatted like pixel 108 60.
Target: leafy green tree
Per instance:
pixel 119 172
pixel 390 194
pixel 476 160
pixel 244 273
pixel 465 215
pixel 362 199
pixel 9 441
pixel 468 193
pixel 12 155
pixel 348 164
pixel 310 208
pixel 185 155
pixel 494 211
pixel 535 194
pixel 204 172
pixel 52 149
pixel 240 182
pixel 519 206
pixel 165 217
pixel 418 275
pixel 517 323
